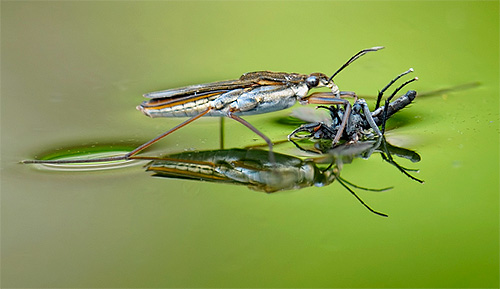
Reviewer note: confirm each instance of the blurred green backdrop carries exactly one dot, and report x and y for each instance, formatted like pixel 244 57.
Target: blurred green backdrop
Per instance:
pixel 72 73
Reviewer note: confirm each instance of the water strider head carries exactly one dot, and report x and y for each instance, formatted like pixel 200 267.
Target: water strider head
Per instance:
pixel 316 80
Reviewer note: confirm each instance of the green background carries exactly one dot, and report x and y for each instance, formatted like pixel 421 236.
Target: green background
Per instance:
pixel 72 73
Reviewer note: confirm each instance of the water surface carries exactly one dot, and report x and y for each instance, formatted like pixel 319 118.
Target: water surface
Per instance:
pixel 72 73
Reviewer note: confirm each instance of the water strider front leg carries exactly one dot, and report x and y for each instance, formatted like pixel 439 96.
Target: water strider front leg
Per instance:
pixel 328 98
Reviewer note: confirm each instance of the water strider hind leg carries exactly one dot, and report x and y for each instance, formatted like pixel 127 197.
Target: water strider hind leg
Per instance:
pixel 127 156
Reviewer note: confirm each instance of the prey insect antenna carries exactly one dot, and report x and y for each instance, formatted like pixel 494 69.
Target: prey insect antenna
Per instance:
pixel 381 92
pixel 359 199
pixel 386 107
pixel 356 56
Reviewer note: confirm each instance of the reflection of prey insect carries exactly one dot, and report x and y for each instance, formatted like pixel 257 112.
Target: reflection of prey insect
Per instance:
pixel 253 93
pixel 253 169
pixel 359 119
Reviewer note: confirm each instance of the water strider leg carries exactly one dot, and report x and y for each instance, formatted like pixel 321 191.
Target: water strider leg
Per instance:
pixel 127 156
pixel 252 128
pixel 149 143
pixel 221 132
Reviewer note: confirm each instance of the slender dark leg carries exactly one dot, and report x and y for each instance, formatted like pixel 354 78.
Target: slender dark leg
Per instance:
pixel 252 128
pixel 328 98
pixel 333 111
pixel 359 199
pixel 127 156
pixel 368 116
pixel 381 92
pixel 386 106
pixel 395 106
pixel 365 188
pixel 387 156
pixel 221 134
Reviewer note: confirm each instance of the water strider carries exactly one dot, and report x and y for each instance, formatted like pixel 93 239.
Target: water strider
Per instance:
pixel 253 93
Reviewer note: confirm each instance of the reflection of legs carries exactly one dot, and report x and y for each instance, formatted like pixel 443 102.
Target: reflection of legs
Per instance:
pixel 341 181
pixel 252 128
pixel 221 132
pixel 387 156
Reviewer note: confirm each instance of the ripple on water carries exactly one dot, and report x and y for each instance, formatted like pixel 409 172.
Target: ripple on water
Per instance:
pixel 78 155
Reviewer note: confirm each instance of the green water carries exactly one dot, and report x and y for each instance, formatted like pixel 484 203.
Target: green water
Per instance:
pixel 72 73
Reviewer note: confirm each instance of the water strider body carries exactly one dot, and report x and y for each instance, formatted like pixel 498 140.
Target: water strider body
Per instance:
pixel 253 93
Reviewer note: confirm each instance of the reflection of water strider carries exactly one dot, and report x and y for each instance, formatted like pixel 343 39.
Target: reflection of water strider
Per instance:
pixel 253 169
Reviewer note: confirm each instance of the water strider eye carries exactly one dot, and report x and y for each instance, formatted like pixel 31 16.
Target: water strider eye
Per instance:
pixel 312 81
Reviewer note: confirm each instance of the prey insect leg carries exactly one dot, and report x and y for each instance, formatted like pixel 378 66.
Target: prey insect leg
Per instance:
pixel 368 116
pixel 320 98
pixel 386 106
pixel 381 92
